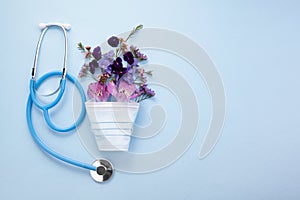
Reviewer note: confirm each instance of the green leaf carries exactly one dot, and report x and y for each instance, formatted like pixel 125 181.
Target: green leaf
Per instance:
pixel 81 47
pixel 149 72
pixel 139 27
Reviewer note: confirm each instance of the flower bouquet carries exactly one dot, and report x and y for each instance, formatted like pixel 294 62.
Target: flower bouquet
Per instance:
pixel 118 85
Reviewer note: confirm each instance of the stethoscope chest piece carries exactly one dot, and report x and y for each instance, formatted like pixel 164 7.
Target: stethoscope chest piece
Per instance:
pixel 104 170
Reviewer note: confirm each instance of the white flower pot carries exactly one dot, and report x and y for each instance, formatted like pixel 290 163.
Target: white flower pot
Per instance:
pixel 112 123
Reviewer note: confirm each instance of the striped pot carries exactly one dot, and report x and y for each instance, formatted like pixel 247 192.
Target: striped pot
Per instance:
pixel 112 123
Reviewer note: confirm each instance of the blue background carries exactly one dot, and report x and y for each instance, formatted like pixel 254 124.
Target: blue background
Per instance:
pixel 254 44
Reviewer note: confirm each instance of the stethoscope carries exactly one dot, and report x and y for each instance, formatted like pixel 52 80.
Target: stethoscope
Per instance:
pixel 100 170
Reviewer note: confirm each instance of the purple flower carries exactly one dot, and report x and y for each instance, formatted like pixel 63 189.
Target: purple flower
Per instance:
pixel 135 63
pixel 142 93
pixel 109 54
pixel 113 41
pixel 117 65
pixel 137 53
pixel 149 92
pixel 143 88
pixel 116 68
pixel 93 65
pixel 97 53
pixel 106 60
pixel 128 77
pixel 83 70
pixel 128 57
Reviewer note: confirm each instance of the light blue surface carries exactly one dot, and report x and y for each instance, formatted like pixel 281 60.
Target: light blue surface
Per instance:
pixel 255 46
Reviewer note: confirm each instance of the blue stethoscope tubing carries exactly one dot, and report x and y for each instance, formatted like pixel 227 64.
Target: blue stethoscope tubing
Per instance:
pixel 33 100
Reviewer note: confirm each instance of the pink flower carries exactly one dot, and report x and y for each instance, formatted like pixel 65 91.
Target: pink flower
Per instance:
pixel 124 91
pixel 141 71
pixel 99 91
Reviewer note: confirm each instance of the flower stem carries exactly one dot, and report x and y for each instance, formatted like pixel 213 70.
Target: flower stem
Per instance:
pixel 137 28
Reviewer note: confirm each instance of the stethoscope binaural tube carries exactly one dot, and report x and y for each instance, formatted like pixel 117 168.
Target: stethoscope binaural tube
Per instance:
pixel 44 28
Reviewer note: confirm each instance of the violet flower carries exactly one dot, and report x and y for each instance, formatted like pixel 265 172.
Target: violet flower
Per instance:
pixel 137 53
pixel 147 90
pixel 106 60
pixel 116 68
pixel 128 77
pixel 93 65
pixel 142 93
pixel 97 53
pixel 113 41
pixel 83 70
pixel 128 57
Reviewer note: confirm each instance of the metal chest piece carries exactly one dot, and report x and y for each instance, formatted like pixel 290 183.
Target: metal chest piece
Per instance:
pixel 104 170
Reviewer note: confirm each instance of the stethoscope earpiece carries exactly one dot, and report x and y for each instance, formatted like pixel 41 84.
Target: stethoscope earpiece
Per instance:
pixel 42 26
pixel 67 26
